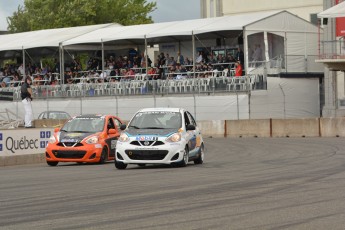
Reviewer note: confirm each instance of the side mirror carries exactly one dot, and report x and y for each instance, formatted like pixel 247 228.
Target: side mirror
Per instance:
pixel 56 130
pixel 112 131
pixel 190 127
pixel 123 127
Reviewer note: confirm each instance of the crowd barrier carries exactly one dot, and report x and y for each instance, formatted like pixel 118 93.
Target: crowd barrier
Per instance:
pixel 17 147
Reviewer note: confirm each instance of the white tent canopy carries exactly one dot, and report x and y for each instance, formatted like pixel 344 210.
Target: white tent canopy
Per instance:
pixel 45 38
pixel 279 33
pixel 170 29
pixel 333 12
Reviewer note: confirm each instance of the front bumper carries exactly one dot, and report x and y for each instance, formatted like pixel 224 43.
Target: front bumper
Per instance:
pixel 163 154
pixel 90 153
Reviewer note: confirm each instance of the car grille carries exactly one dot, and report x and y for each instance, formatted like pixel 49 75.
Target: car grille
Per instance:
pixel 147 143
pixel 69 144
pixel 146 154
pixel 69 154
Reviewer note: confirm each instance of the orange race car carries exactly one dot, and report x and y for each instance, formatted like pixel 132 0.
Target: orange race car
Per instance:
pixel 84 138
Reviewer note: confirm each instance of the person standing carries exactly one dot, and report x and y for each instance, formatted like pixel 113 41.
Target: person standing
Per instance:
pixel 26 95
pixel 180 58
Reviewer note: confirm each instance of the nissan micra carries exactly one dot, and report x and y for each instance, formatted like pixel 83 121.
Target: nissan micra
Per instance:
pixel 160 136
pixel 85 138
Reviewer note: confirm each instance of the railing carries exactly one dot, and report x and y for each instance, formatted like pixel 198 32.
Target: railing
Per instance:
pixel 332 49
pixel 211 85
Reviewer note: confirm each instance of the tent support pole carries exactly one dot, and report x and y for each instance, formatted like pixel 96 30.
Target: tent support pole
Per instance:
pixel 102 57
pixel 60 57
pixel 24 74
pixel 146 64
pixel 62 65
pixel 193 58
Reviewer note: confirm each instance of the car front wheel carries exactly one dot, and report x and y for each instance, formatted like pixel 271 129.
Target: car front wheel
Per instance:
pixel 104 156
pixel 52 163
pixel 201 156
pixel 185 159
pixel 120 165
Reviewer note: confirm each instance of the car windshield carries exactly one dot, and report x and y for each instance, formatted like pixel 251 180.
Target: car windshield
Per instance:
pixel 84 124
pixel 156 120
pixel 57 115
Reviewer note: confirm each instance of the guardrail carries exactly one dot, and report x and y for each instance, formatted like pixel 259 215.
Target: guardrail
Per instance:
pixel 210 85
pixel 332 49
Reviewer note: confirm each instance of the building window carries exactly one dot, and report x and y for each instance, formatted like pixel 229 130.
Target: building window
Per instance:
pixel 313 19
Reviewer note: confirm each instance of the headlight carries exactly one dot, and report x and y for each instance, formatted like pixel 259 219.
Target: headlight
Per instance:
pixel 123 137
pixel 52 139
pixel 176 137
pixel 92 140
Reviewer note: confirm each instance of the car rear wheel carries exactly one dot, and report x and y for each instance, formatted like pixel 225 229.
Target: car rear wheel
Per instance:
pixel 201 156
pixel 104 156
pixel 185 159
pixel 52 163
pixel 120 165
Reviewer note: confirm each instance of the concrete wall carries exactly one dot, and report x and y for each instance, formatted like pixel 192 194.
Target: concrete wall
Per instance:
pixel 295 127
pixel 332 127
pixel 248 128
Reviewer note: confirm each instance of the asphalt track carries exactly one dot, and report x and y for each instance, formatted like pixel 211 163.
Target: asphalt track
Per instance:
pixel 245 183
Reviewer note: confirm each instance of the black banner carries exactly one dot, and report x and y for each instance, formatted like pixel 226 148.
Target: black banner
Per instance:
pixel 6 96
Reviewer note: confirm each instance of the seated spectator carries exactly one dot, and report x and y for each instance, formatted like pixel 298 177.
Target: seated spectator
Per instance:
pixel 3 84
pixel 151 71
pixel 199 59
pixel 238 69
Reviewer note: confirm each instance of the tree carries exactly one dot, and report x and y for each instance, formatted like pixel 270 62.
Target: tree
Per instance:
pixel 48 14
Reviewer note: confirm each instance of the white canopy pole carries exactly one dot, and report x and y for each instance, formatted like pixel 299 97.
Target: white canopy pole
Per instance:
pixel 146 64
pixel 193 58
pixel 24 74
pixel 102 57
pixel 62 65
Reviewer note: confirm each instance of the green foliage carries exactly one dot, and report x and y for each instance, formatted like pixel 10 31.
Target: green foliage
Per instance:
pixel 47 14
pixel 48 61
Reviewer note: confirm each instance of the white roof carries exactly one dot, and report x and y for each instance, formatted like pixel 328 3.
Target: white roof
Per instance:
pixel 162 109
pixel 177 30
pixel 171 29
pixel 333 12
pixel 45 38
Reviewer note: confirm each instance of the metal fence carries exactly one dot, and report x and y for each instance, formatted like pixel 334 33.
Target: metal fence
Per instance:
pixel 211 85
pixel 332 49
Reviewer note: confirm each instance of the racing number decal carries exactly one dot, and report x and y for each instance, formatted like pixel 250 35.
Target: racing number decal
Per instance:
pixel 113 144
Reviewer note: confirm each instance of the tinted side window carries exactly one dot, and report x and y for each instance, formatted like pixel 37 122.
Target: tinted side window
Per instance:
pixel 110 124
pixel 191 118
pixel 118 124
pixel 186 119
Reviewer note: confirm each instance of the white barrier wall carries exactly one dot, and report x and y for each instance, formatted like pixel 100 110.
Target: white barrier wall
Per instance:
pixel 24 141
pixel 212 107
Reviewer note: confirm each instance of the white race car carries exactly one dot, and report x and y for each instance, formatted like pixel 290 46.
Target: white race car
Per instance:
pixel 160 136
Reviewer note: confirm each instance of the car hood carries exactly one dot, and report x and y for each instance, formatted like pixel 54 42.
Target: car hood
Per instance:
pixel 73 136
pixel 151 132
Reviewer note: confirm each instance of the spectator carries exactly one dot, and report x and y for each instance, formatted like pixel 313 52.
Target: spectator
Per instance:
pixel 179 58
pixel 3 84
pixel 26 95
pixel 238 69
pixel 240 56
pixel 199 59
